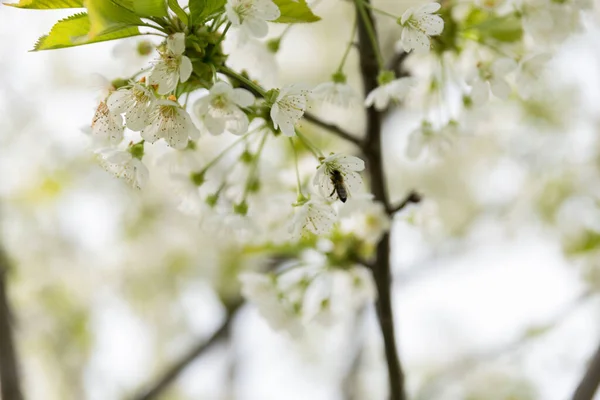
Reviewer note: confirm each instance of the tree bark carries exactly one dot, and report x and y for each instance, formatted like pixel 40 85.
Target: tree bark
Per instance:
pixel 373 153
pixel 10 382
pixel 590 381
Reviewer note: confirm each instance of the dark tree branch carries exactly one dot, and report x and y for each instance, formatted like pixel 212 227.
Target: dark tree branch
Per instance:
pixel 591 379
pixel 373 153
pixel 334 129
pixel 161 383
pixel 10 382
pixel 413 197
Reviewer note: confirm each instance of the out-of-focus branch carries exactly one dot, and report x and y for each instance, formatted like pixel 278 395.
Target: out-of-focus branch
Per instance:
pixel 333 129
pixel 10 382
pixel 591 379
pixel 372 150
pixel 413 197
pixel 162 382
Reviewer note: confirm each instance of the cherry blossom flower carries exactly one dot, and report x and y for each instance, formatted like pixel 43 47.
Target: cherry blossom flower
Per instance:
pixel 314 216
pixel 426 137
pixel 348 167
pixel 168 120
pixel 173 66
pixel 136 102
pixel 288 108
pixel 124 165
pixel 335 92
pixel 529 72
pixel 492 77
pixel 418 25
pixel 365 218
pixel 251 16
pixel 220 109
pixel 395 90
pixel 107 126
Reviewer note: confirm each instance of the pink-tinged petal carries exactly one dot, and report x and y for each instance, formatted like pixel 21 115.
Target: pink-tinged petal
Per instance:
pixel 185 69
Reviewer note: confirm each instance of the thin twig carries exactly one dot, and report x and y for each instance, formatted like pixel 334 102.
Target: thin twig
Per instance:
pixel 413 197
pixel 372 149
pixel 590 381
pixel 334 129
pixel 10 382
pixel 172 373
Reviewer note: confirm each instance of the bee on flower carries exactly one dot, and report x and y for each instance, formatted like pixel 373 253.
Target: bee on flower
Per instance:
pixel 338 175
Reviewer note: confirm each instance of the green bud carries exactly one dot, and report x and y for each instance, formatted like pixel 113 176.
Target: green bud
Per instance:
pixel 339 77
pixel 118 83
pixel 144 48
pixel 197 178
pixel 246 157
pixel 191 145
pixel 385 77
pixel 271 96
pixel 300 200
pixel 212 199
pixel 137 150
pixel 254 185
pixel 274 44
pixel 241 208
pixel 467 101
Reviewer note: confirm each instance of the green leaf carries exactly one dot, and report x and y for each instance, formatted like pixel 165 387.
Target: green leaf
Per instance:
pixel 47 4
pixel 506 28
pixel 201 10
pixel 150 8
pixel 73 31
pixel 174 5
pixel 109 16
pixel 295 11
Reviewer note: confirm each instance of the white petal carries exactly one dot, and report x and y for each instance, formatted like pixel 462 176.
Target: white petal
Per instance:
pixel 232 16
pixel 428 8
pixel 215 125
pixel 417 40
pixel 432 24
pixel 379 98
pixel 117 102
pixel 137 117
pixel 503 66
pixel 176 43
pixel 500 88
pixel 268 10
pixel 201 106
pixel 185 69
pixel 480 92
pixel 238 125
pixel 351 163
pixel 407 14
pixel 141 173
pixel 151 133
pixel 243 97
pixel 257 27
pixel 415 145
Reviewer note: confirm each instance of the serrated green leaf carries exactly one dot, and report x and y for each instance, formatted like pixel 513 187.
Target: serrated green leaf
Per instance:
pixel 295 11
pixel 47 4
pixel 73 31
pixel 201 10
pixel 109 16
pixel 150 8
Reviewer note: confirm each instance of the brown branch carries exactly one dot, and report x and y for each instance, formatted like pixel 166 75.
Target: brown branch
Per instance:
pixel 10 382
pixel 591 379
pixel 161 383
pixel 334 129
pixel 413 197
pixel 373 154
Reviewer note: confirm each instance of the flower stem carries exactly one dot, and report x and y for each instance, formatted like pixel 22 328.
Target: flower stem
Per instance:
pixel 380 11
pixel 300 194
pixel 311 147
pixel 226 150
pixel 232 74
pixel 360 7
pixel 220 38
pixel 349 46
pixel 254 167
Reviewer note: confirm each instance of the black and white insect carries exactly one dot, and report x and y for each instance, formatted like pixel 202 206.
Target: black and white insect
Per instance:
pixel 339 186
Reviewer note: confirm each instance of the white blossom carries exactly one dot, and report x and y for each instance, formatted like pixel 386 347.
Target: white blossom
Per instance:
pixel 123 165
pixel 173 66
pixel 168 120
pixel 220 109
pixel 251 16
pixel 288 108
pixel 348 167
pixel 418 25
pixel 530 70
pixel 492 77
pixel 426 137
pixel 365 218
pixel 107 126
pixel 314 216
pixel 253 56
pixel 262 291
pixel 335 93
pixel 135 101
pixel 396 90
pixel 363 285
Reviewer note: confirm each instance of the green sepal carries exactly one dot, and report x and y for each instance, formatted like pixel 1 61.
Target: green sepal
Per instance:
pixel 47 4
pixel 203 10
pixel 73 31
pixel 295 11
